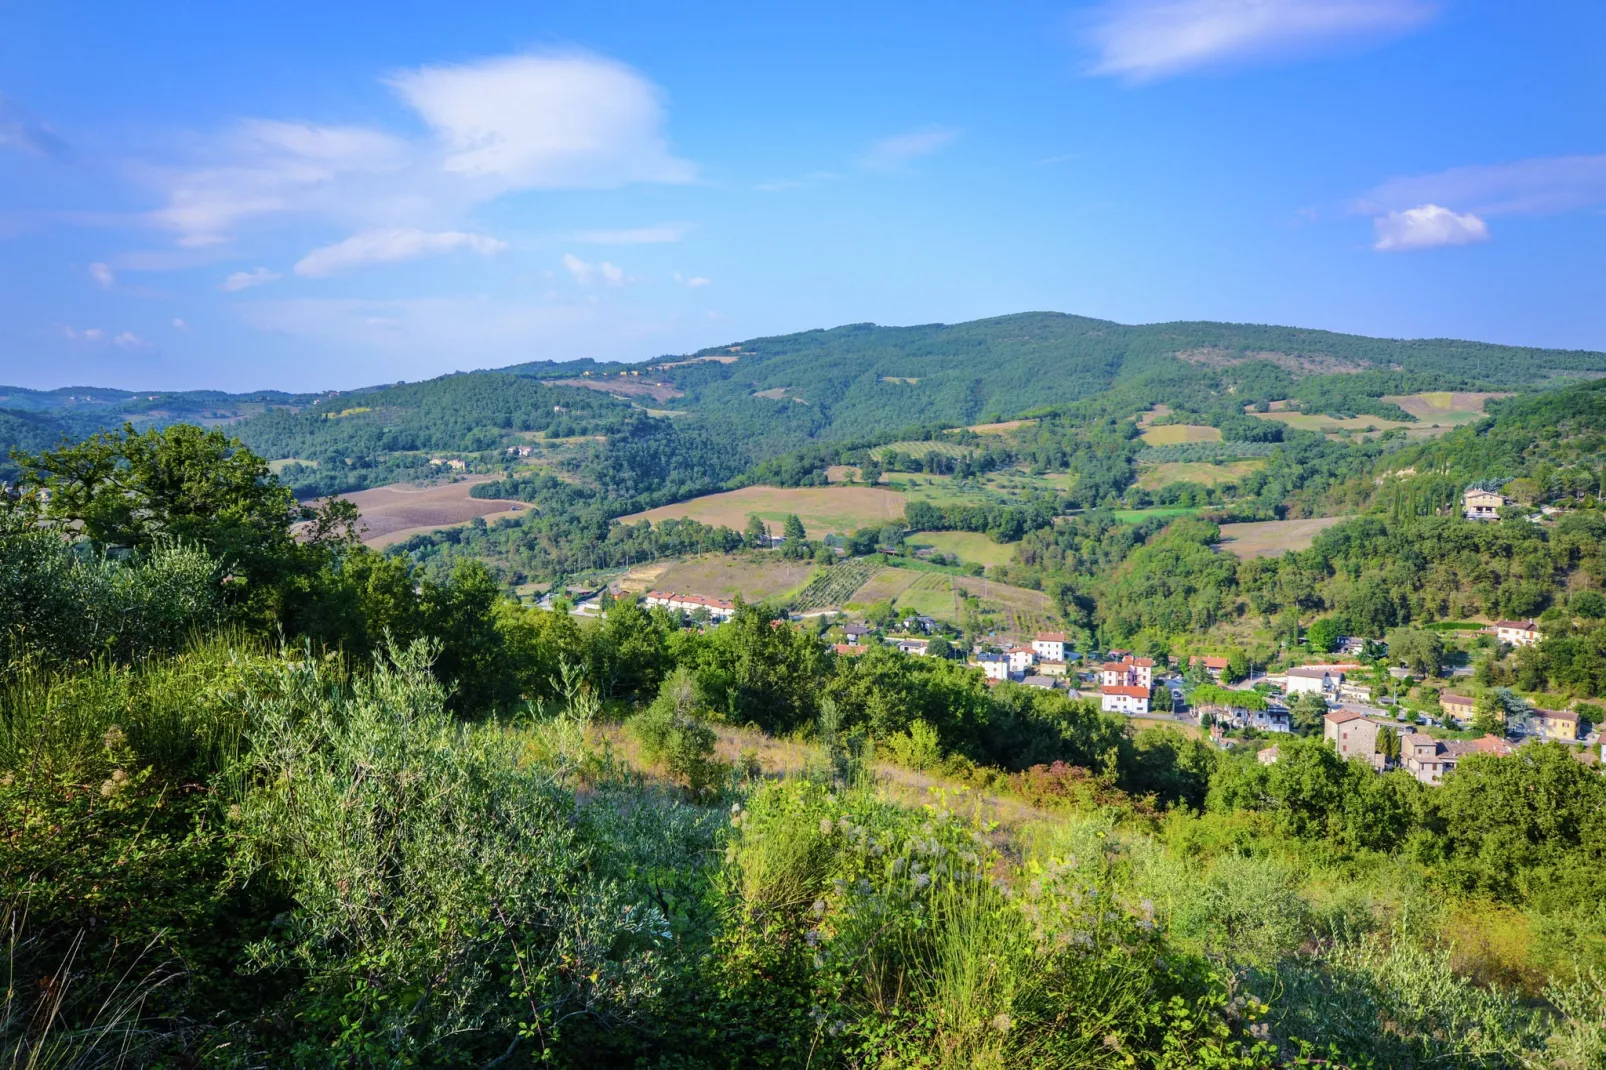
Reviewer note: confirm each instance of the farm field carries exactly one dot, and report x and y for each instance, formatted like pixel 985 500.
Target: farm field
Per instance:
pixel 1177 434
pixel 823 510
pixel 1268 538
pixel 920 447
pixel 1334 425
pixel 832 587
pixel 755 577
pixel 1444 407
pixel 884 586
pixel 399 511
pixel 1020 608
pixel 1001 427
pixel 930 595
pixel 966 545
pixel 1157 476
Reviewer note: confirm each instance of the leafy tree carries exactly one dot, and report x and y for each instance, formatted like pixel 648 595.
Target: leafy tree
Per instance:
pixel 757 533
pixel 1323 635
pixel 1160 698
pixel 1417 649
pixel 1388 743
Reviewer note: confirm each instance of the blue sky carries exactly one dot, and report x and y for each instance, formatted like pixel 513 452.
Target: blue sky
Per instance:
pixel 301 195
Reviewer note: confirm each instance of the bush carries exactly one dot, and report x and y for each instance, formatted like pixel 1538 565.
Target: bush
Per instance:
pixel 673 734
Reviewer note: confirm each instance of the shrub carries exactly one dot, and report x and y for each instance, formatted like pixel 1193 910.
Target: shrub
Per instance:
pixel 672 734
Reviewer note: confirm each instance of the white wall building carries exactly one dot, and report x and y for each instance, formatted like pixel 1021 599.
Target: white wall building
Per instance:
pixel 1050 646
pixel 1124 698
pixel 993 666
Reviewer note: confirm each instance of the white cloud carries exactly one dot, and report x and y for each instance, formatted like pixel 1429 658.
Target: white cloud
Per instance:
pixel 496 125
pixel 546 122
pixel 389 247
pixel 103 276
pixel 129 340
pixel 586 273
pixel 244 280
pixel 1542 185
pixel 265 168
pixel 1427 227
pixel 694 281
pixel 658 234
pixel 180 325
pixel 1142 40
pixel 897 151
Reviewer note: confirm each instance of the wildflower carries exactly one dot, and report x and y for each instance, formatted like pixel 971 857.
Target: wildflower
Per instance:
pixel 922 880
pixel 1112 1042
pixel 825 826
pixel 819 908
pixel 1002 1022
pixel 812 938
pixel 114 738
pixel 235 812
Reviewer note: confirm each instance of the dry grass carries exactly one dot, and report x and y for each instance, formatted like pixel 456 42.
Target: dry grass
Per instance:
pixel 755 576
pixel 1444 406
pixel 1269 538
pixel 1157 476
pixel 1000 428
pixel 1179 434
pixel 1148 417
pixel 822 509
pixel 399 511
pixel 1022 608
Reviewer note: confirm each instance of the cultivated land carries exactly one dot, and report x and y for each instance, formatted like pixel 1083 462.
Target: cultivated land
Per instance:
pixel 1178 434
pixel 755 577
pixel 885 586
pixel 823 510
pixel 1270 538
pixel 966 545
pixel 1020 608
pixel 1436 412
pixel 1444 406
pixel 399 511
pixel 1156 476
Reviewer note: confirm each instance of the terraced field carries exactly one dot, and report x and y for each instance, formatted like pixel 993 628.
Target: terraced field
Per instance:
pixel 834 586
pixel 1176 434
pixel 1196 472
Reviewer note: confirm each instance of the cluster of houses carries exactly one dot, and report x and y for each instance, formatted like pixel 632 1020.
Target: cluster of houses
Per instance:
pixel 1041 664
pixel 520 451
pixel 453 463
pixel 1429 760
pixel 1125 685
pixel 718 608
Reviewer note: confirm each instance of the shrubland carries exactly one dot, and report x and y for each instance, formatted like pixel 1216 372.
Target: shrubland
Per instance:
pixel 278 800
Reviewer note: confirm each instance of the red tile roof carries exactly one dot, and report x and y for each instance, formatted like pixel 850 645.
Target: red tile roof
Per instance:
pixel 1122 689
pixel 1344 716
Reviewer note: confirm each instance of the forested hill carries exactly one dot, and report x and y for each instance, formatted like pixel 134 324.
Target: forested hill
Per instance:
pixel 863 378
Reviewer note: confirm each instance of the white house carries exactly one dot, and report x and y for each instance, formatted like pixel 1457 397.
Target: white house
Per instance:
pixel 1050 646
pixel 1517 632
pixel 1313 679
pixel 917 647
pixel 1021 658
pixel 1124 698
pixel 993 666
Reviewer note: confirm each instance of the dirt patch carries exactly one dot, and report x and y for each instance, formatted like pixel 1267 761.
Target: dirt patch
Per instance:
pixel 623 386
pixel 1306 363
pixel 1145 418
pixel 1269 538
pixel 1002 427
pixel 399 511
pixel 823 510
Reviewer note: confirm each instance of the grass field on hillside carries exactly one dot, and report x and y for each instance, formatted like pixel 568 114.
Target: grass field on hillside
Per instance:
pixel 398 511
pixel 1156 476
pixel 823 510
pixel 1177 434
pixel 966 545
pixel 886 585
pixel 1136 516
pixel 1269 538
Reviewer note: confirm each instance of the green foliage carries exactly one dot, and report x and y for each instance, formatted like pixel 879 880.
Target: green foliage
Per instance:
pixel 672 734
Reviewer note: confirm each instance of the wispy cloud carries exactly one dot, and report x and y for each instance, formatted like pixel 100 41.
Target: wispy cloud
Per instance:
pixel 1543 185
pixel 808 181
pixel 694 281
pixel 1428 226
pixel 891 153
pixel 586 273
pixel 103 276
pixel 1144 40
pixel 19 130
pixel 1451 207
pixel 96 336
pixel 180 325
pixel 391 246
pixel 550 121
pixel 130 340
pixel 244 280
pixel 661 233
